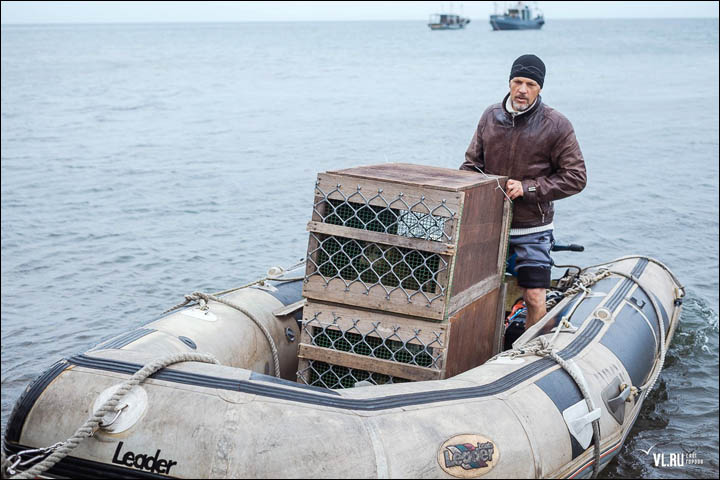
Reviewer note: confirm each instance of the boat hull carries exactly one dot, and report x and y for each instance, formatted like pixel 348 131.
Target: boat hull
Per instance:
pixel 503 419
pixel 446 27
pixel 505 23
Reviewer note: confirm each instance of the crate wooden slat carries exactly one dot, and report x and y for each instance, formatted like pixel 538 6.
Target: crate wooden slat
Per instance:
pixel 363 321
pixel 361 362
pixel 376 298
pixel 440 248
pixel 327 375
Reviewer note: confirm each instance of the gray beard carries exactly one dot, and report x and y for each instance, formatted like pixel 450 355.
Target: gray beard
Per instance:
pixel 519 108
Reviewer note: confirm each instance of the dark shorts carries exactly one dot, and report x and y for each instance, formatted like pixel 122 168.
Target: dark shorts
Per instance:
pixel 533 263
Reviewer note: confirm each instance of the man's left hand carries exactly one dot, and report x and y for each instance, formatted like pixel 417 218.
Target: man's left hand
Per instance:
pixel 514 189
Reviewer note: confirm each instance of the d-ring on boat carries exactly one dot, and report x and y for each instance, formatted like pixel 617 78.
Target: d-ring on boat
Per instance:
pixel 208 390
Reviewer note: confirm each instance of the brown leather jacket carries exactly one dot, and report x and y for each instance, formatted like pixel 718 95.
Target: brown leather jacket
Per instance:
pixel 538 148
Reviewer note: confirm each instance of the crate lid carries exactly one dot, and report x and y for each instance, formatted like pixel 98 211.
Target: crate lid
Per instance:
pixel 439 178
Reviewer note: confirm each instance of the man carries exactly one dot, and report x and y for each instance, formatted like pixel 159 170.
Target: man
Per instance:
pixel 535 147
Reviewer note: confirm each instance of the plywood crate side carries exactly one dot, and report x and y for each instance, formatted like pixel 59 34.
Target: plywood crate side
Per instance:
pixel 472 334
pixel 480 237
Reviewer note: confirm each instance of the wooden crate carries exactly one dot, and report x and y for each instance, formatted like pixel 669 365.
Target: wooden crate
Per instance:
pixel 414 240
pixel 340 345
pixel 348 339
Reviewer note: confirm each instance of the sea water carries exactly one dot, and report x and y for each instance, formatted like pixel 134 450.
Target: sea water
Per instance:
pixel 141 162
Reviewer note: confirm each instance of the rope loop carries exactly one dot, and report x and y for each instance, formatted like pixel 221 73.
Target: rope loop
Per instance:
pixel 62 449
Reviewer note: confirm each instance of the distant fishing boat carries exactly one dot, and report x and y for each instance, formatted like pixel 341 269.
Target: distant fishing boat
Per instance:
pixel 518 17
pixel 447 21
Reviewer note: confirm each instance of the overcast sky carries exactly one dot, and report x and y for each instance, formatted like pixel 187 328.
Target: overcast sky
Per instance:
pixel 193 11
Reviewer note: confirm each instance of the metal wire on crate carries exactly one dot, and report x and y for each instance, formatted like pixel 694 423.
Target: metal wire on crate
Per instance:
pixel 321 374
pixel 377 213
pixel 396 343
pixel 391 268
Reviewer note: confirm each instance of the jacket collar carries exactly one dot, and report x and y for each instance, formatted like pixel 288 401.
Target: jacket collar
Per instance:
pixel 526 113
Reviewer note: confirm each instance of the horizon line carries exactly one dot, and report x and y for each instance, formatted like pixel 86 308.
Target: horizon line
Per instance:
pixel 313 21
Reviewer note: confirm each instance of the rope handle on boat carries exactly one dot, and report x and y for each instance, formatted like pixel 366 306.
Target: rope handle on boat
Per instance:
pixel 680 286
pixel 260 281
pixel 634 391
pixel 205 297
pixel 581 284
pixel 61 450
pixel 588 400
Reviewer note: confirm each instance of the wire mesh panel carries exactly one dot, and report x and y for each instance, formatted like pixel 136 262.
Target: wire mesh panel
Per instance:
pixel 321 374
pixel 395 342
pixel 395 213
pixel 393 269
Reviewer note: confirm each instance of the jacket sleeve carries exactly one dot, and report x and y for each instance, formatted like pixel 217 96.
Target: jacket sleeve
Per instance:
pixel 474 158
pixel 569 175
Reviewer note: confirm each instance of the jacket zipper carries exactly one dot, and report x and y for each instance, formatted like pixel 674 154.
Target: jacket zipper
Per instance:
pixel 542 213
pixel 513 137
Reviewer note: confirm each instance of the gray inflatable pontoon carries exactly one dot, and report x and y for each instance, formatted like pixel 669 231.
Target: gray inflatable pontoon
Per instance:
pixel 522 414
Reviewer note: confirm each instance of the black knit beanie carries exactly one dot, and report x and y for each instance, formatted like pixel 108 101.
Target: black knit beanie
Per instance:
pixel 528 66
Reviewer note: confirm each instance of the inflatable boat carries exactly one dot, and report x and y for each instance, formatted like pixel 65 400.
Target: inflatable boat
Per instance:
pixel 209 391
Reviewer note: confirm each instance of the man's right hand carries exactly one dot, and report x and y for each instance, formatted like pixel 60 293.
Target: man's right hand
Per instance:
pixel 514 189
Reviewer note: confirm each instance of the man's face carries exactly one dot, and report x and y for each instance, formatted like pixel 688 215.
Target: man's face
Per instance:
pixel 523 92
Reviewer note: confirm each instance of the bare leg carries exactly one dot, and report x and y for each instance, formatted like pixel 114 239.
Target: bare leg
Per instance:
pixel 535 303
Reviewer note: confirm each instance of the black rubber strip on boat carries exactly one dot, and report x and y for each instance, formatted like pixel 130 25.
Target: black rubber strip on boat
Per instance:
pixel 281 381
pixel 333 399
pixel 287 292
pixel 626 285
pixel 73 467
pixel 28 398
pixel 663 312
pixel 643 303
pixel 631 340
pixel 125 339
pixel 564 392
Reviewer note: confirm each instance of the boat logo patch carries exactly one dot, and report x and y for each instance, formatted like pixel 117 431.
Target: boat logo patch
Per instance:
pixel 468 456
